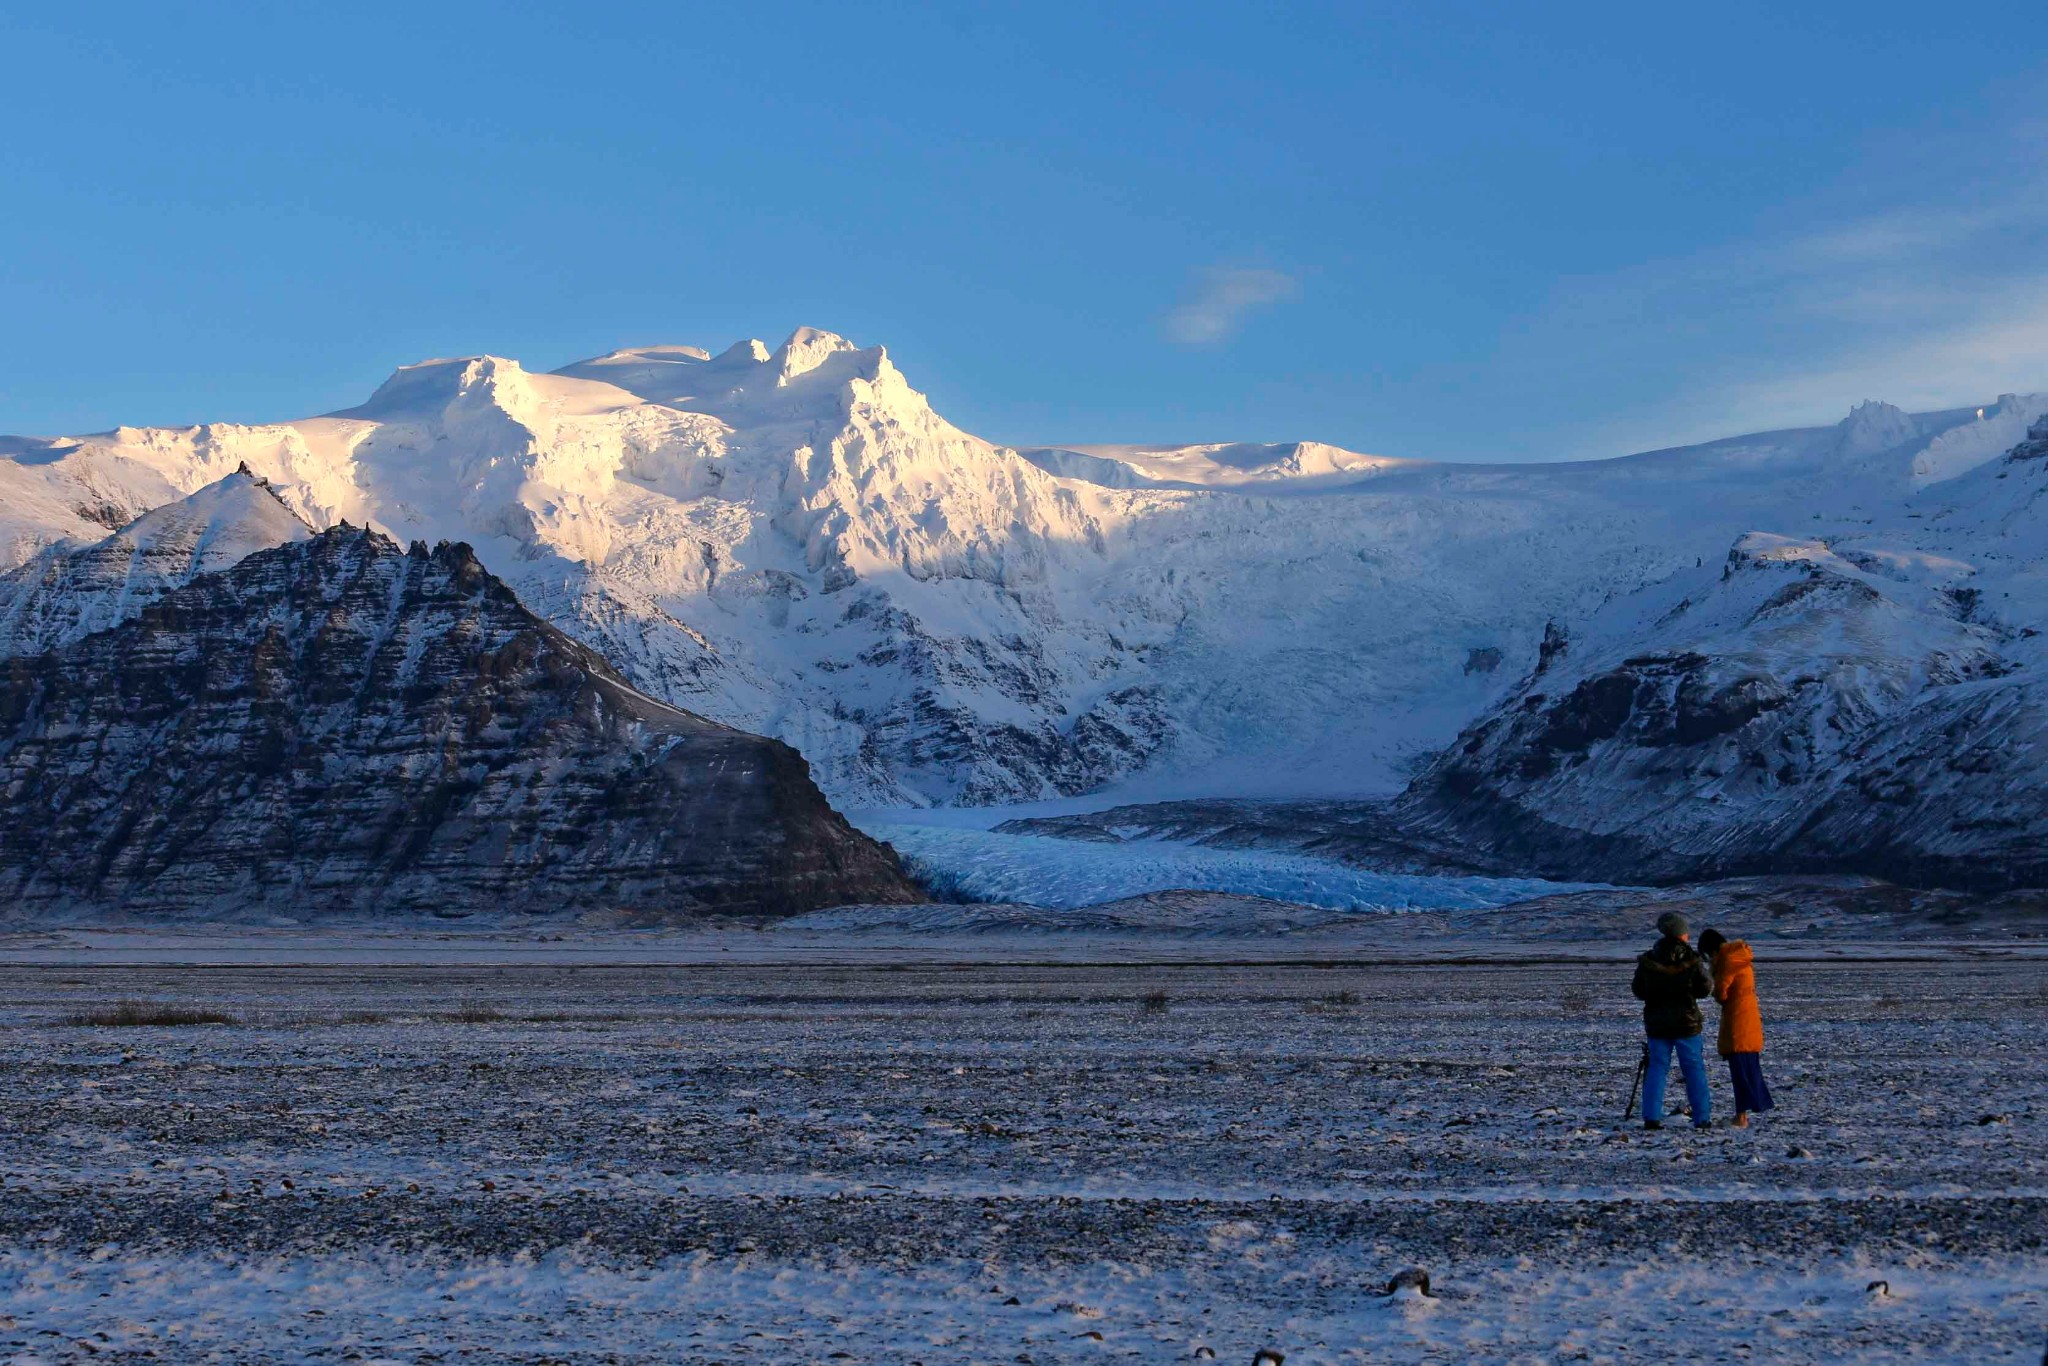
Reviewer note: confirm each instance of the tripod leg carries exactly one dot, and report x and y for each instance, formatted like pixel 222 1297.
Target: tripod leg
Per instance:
pixel 1642 1066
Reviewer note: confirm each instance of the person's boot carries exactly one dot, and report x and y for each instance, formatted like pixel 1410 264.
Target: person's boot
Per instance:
pixel 1653 1124
pixel 1741 1120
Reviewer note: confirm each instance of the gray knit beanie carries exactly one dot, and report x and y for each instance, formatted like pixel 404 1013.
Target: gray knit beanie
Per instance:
pixel 1672 925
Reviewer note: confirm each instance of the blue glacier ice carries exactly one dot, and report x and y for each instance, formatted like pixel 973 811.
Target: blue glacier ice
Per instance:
pixel 984 865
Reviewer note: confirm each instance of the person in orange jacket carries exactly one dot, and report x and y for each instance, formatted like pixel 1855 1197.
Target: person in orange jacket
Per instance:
pixel 1742 1024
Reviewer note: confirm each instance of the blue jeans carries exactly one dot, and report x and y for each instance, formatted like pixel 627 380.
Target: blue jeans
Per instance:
pixel 1659 1071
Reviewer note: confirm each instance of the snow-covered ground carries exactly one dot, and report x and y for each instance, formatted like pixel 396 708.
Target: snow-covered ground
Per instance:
pixel 1041 1164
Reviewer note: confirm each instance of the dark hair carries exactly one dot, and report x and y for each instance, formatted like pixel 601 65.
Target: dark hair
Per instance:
pixel 1711 941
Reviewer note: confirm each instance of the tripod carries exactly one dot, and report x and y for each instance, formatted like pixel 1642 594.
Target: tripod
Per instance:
pixel 1642 1066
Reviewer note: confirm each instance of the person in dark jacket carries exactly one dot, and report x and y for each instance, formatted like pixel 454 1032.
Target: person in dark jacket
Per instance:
pixel 1671 980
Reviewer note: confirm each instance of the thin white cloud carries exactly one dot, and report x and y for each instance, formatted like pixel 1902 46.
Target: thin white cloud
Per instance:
pixel 1995 346
pixel 1926 328
pixel 1220 297
pixel 1920 278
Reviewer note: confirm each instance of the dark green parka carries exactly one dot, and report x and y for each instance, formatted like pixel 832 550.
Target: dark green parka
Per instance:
pixel 1670 980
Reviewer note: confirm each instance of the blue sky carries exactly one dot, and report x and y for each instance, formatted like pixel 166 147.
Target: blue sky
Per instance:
pixel 1460 231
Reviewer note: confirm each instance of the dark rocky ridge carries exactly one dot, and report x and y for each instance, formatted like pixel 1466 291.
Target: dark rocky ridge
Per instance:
pixel 1948 795
pixel 339 726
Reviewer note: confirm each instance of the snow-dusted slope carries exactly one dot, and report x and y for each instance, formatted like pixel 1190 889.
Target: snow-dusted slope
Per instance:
pixel 54 490
pixel 1295 465
pixel 1871 700
pixel 793 542
pixel 68 592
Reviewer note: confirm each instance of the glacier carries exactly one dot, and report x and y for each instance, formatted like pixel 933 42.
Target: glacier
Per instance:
pixel 967 864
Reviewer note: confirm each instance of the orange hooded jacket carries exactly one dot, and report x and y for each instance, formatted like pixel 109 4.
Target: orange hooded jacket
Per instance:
pixel 1742 1024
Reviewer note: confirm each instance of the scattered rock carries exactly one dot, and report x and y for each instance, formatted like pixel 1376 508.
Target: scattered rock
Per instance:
pixel 1411 1281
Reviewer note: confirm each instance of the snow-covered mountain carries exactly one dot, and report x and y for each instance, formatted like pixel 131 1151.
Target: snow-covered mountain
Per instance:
pixel 1871 700
pixel 793 542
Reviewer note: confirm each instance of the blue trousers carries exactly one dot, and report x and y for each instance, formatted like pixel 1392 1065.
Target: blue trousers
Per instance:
pixel 1659 1072
pixel 1746 1071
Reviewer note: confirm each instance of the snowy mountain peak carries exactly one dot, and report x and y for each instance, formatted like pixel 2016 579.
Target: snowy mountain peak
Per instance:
pixel 500 394
pixel 1842 701
pixel 689 377
pixel 792 540
pixel 222 522
pixel 751 351
pixel 1874 426
pixel 430 385
pixel 806 350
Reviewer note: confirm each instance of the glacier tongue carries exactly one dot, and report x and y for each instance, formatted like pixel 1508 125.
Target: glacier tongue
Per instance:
pixel 1065 874
pixel 792 541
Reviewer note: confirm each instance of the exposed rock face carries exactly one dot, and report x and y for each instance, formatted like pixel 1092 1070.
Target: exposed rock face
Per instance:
pixel 340 726
pixel 2035 447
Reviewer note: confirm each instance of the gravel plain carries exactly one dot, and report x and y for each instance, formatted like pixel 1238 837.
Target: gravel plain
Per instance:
pixel 1024 1163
